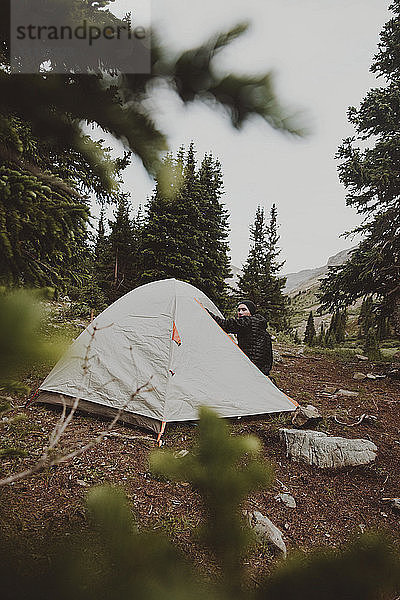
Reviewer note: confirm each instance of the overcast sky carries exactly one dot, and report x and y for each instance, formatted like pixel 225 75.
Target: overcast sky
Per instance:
pixel 320 52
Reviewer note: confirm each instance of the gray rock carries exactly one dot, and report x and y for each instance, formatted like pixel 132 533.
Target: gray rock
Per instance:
pixel 346 393
pixel 286 499
pixel 359 376
pixel 330 389
pixel 305 414
pixel 319 449
pixel 360 357
pixel 265 530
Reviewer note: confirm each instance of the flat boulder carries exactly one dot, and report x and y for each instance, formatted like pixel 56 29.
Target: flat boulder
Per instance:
pixel 327 452
pixel 348 393
pixel 265 530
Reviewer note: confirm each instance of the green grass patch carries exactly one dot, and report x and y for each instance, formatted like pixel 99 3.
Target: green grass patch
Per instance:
pixel 340 353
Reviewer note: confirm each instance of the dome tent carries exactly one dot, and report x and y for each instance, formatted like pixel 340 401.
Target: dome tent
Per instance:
pixel 162 334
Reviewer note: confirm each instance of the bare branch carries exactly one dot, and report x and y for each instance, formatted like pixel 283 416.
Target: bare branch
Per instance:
pixel 358 422
pixel 46 460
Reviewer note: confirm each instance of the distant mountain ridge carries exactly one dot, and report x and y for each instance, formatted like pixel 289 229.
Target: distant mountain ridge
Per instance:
pixel 303 279
pixel 307 277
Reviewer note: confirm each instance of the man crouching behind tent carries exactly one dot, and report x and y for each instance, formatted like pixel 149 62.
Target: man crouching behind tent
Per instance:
pixel 251 330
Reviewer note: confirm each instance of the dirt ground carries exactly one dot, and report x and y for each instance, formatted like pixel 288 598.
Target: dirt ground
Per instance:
pixel 332 506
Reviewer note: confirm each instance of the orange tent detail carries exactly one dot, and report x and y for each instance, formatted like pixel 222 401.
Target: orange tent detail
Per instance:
pixel 175 335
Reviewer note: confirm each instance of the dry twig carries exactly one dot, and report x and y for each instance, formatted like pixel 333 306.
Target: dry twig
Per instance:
pixel 48 459
pixel 358 422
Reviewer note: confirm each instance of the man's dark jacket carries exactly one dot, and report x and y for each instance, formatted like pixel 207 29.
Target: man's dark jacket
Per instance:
pixel 253 338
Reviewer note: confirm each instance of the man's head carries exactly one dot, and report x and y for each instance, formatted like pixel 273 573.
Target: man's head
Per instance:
pixel 246 308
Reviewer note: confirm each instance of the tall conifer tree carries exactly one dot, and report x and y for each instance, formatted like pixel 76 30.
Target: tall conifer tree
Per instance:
pixel 122 247
pixel 185 230
pixel 337 326
pixel 215 228
pixel 310 333
pixel 260 282
pixel 251 282
pixel 101 275
pixel 369 170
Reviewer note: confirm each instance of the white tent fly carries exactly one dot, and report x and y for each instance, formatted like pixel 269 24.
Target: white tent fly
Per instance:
pixel 161 335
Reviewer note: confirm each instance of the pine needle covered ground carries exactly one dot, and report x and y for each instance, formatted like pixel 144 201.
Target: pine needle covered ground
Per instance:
pixel 332 506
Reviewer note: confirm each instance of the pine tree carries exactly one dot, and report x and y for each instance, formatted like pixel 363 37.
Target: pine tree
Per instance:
pixel 215 250
pixel 137 224
pixel 171 236
pixel 382 327
pixel 259 281
pixel 91 295
pixel 185 230
pixel 44 209
pixel 279 302
pixel 296 339
pixel 369 171
pixel 337 327
pixel 250 282
pixel 120 103
pixel 121 248
pixel 371 345
pixel 273 239
pixel 321 336
pixel 98 293
pixel 42 230
pixel 341 329
pixel 333 323
pixel 330 340
pixel 310 334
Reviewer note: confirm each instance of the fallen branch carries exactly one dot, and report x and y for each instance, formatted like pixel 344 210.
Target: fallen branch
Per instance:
pixel 358 422
pixel 285 487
